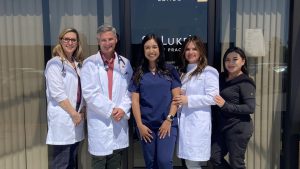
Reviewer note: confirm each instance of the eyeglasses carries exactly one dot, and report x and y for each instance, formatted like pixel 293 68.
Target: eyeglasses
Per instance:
pixel 67 40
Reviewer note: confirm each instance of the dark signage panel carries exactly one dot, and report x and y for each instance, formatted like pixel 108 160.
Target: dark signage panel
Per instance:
pixel 171 20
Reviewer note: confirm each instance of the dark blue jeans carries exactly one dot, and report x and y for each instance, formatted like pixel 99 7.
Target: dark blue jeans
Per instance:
pixel 232 141
pixel 65 156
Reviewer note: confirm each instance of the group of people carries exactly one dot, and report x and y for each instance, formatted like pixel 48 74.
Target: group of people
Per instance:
pixel 171 109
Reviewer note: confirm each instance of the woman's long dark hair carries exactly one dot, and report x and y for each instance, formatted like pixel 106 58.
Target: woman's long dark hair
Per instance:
pixel 202 62
pixel 160 62
pixel 243 56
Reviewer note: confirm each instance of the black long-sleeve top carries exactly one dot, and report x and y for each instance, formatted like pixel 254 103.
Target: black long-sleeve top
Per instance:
pixel 239 96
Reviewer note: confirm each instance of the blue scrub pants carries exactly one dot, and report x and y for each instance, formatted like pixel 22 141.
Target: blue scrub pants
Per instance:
pixel 65 156
pixel 158 154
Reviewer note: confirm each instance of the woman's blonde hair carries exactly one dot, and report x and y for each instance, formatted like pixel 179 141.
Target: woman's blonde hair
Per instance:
pixel 58 50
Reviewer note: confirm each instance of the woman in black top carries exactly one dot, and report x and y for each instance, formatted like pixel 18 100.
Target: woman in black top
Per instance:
pixel 233 125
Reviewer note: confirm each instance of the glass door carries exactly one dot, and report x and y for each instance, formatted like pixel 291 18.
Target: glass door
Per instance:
pixel 261 28
pixel 173 21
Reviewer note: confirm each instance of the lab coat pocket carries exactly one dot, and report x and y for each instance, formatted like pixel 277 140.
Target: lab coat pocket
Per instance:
pixel 60 117
pixel 100 133
pixel 197 84
pixel 201 130
pixel 200 80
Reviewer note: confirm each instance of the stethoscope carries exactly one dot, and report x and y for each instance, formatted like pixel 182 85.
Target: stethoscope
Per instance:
pixel 121 64
pixel 63 70
pixel 63 73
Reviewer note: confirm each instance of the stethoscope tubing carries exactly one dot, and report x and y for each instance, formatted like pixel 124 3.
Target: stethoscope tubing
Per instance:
pixel 120 60
pixel 63 70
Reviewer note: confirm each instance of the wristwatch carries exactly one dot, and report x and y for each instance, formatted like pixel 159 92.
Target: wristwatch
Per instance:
pixel 170 117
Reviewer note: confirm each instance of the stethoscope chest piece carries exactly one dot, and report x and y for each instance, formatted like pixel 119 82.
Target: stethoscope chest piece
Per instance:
pixel 63 73
pixel 63 70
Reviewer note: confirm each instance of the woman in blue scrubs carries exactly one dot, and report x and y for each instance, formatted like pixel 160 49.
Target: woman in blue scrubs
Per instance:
pixel 153 87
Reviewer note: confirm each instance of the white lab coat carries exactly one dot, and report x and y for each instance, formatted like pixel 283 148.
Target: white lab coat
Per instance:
pixel 105 134
pixel 61 129
pixel 195 117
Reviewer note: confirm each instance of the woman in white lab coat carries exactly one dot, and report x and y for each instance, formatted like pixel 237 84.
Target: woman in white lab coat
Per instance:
pixel 200 83
pixel 64 100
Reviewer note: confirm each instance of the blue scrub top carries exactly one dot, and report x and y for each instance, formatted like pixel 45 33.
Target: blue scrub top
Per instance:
pixel 156 96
